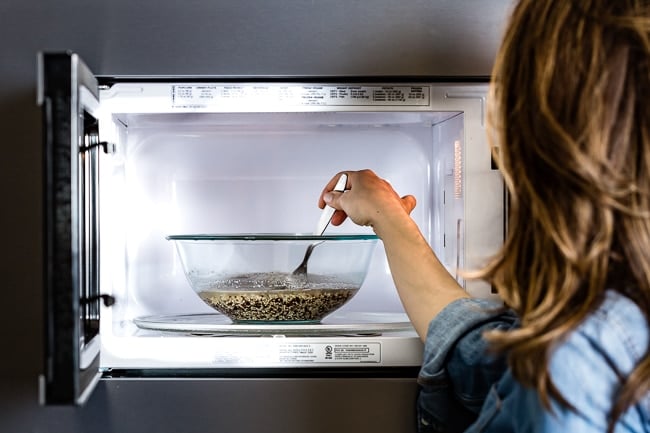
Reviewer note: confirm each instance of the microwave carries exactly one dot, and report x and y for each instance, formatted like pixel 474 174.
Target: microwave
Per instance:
pixel 130 160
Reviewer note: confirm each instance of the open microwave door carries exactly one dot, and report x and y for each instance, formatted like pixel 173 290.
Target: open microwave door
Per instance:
pixel 68 95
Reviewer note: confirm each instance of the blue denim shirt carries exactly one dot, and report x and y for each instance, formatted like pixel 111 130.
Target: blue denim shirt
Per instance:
pixel 464 388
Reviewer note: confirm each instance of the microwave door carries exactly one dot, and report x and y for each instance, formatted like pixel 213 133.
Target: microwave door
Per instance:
pixel 68 96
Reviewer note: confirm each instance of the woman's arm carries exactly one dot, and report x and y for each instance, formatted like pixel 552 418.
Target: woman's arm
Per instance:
pixel 424 285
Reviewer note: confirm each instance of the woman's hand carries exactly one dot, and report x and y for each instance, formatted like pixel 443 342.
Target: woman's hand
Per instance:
pixel 424 285
pixel 368 201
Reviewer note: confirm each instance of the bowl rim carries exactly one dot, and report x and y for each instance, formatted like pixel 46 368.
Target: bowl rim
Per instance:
pixel 272 237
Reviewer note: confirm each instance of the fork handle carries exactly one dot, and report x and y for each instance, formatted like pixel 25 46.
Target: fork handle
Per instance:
pixel 328 211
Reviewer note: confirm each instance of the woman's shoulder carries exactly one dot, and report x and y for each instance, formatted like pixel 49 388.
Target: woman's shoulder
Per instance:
pixel 589 366
pixel 617 330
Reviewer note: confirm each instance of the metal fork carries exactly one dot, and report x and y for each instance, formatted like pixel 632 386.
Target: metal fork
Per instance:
pixel 323 222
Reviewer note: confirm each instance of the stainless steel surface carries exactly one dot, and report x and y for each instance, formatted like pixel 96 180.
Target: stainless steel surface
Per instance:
pixel 295 37
pixel 226 405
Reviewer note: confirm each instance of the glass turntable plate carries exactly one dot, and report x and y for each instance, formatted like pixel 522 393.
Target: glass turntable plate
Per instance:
pixel 337 324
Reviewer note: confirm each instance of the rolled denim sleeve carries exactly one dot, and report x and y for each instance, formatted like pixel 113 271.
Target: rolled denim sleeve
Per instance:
pixel 458 370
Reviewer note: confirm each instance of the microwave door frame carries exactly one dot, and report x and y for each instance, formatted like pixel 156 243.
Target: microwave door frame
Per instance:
pixel 69 97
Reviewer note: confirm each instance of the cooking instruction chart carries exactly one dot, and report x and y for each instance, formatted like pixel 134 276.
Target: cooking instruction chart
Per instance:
pixel 219 96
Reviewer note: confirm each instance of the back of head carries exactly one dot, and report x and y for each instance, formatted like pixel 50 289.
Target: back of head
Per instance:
pixel 569 118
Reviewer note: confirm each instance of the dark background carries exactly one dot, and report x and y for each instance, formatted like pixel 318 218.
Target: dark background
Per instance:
pixel 190 37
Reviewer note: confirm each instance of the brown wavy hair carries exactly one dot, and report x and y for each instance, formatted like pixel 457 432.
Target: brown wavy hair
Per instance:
pixel 569 122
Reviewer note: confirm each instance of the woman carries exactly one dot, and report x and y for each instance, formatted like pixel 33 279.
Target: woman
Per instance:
pixel 569 124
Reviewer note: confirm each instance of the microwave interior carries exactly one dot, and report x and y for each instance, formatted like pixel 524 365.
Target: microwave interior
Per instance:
pixel 246 169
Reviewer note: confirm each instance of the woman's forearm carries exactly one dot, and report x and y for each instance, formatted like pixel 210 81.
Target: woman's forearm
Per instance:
pixel 424 285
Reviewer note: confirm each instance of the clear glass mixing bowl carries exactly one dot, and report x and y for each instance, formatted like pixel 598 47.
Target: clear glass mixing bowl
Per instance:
pixel 250 277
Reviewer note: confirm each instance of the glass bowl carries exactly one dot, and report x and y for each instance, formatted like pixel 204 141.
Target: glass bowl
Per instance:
pixel 249 277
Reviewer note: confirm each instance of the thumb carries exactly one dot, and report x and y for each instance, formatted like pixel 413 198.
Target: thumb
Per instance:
pixel 331 198
pixel 408 203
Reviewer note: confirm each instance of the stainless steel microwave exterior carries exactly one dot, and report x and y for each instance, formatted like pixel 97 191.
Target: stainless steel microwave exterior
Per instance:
pixel 130 161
